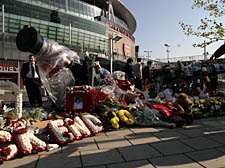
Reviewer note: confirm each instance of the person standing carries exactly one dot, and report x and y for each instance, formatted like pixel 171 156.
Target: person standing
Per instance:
pixel 146 73
pixel 179 69
pixel 138 74
pixel 213 77
pixel 129 70
pixel 80 72
pixel 31 80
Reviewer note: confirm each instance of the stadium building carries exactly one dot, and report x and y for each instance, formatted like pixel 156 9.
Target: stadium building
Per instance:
pixel 104 27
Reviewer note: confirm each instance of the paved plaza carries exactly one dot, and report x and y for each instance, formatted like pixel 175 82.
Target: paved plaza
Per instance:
pixel 201 144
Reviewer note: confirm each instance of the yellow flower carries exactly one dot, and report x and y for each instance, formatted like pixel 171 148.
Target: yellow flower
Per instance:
pixel 202 101
pixel 114 120
pixel 126 117
pixel 170 103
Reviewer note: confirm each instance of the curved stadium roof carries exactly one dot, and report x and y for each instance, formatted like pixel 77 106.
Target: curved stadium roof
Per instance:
pixel 120 10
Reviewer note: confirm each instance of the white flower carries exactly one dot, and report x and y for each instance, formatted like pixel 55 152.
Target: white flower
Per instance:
pixel 5 136
pixel 92 123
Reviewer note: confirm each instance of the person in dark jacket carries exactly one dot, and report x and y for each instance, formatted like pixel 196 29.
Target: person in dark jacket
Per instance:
pixel 146 72
pixel 129 70
pixel 31 80
pixel 213 77
pixel 80 73
pixel 138 74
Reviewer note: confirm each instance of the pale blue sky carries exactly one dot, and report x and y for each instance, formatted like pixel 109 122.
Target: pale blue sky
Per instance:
pixel 158 23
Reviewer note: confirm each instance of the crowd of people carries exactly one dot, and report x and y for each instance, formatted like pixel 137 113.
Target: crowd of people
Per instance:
pixel 201 79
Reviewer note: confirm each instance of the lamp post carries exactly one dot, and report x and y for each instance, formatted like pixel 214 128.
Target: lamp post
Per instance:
pixel 148 53
pixel 205 53
pixel 113 38
pixel 168 51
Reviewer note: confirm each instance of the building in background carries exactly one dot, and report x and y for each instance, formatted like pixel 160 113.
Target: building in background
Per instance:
pixel 81 25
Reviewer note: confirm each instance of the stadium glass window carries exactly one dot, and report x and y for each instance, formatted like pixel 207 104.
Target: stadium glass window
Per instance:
pixel 60 41
pixel 43 26
pixel 59 37
pixel 60 34
pixel 76 5
pixel 36 25
pixel 53 37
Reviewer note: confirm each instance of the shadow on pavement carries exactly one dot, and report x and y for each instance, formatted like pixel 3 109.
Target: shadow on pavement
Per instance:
pixel 199 145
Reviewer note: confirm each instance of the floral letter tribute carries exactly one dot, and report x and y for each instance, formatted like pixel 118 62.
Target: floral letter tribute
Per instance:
pixel 60 132
pixel 5 136
pixel 93 123
pixel 8 152
pixel 25 137
pixel 77 127
pixel 68 130
pixel 64 131
pixel 27 141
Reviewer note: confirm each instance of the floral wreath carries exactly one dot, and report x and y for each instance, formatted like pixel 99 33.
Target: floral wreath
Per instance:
pixel 25 138
pixel 126 117
pixel 7 85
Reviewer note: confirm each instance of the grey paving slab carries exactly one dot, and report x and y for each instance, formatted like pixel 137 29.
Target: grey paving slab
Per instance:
pixel 143 130
pixel 213 123
pixel 202 120
pixel 100 157
pixel 221 149
pixel 200 143
pixel 101 166
pixel 80 145
pixel 111 143
pixel 211 158
pixel 192 126
pixel 163 129
pixel 55 151
pixel 169 135
pixel 67 160
pixel 171 147
pixel 134 164
pixel 174 161
pixel 213 130
pixel 97 136
pixel 191 132
pixel 138 152
pixel 220 138
pixel 119 133
pixel 142 139
pixel 25 162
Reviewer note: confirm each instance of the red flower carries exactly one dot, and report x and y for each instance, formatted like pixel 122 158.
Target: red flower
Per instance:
pixel 5 151
pixel 100 123
pixel 71 122
pixel 66 134
pixel 21 131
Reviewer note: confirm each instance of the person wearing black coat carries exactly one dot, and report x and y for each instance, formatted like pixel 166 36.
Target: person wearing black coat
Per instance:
pixel 129 70
pixel 80 73
pixel 31 80
pixel 146 72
